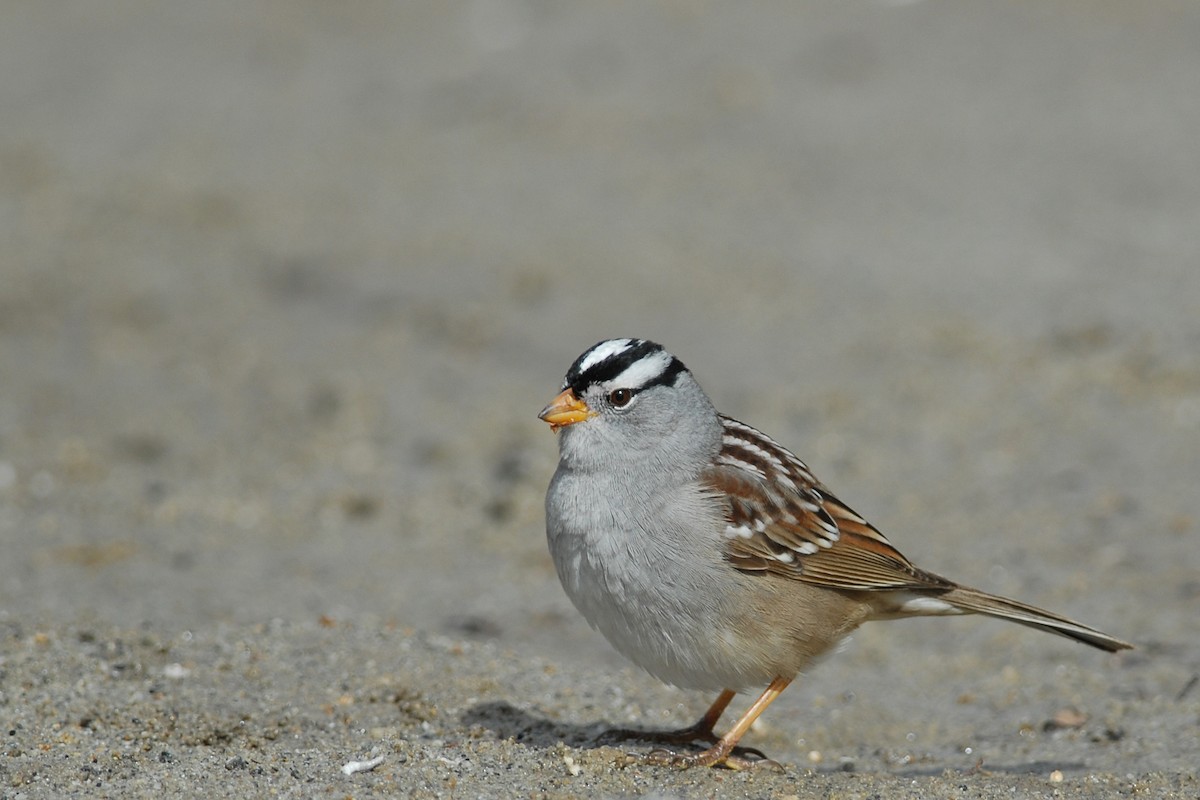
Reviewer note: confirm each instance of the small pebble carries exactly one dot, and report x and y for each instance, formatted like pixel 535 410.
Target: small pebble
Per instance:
pixel 351 767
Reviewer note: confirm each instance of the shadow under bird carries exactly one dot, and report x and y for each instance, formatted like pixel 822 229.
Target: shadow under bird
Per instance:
pixel 710 555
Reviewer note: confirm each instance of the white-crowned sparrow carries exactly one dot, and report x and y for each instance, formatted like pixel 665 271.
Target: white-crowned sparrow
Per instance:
pixel 708 554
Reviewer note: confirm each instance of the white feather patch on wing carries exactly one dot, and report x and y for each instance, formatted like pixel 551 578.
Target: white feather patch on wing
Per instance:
pixel 754 449
pixel 734 531
pixel 733 461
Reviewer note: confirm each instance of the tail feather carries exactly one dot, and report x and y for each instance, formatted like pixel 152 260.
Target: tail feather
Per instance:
pixel 975 601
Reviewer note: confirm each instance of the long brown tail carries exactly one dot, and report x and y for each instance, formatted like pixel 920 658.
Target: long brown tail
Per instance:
pixel 973 600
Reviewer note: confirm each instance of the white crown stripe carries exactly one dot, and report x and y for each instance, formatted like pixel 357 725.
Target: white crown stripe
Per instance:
pixel 605 351
pixel 642 371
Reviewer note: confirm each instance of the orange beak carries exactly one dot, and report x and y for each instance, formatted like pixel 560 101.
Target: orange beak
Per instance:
pixel 565 409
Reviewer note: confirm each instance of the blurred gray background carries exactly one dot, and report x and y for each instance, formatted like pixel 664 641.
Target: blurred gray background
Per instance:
pixel 283 286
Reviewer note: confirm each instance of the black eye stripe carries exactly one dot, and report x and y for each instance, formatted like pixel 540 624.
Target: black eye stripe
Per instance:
pixel 610 367
pixel 614 365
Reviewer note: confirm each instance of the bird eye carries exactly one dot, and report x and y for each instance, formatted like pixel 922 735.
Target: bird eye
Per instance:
pixel 619 398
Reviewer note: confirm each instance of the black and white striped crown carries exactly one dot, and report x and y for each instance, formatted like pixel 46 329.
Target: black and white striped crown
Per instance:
pixel 623 364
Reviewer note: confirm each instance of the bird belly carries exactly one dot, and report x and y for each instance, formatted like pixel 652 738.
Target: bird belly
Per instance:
pixel 688 618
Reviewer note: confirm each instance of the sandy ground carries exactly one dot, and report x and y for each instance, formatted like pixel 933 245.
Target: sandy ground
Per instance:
pixel 283 285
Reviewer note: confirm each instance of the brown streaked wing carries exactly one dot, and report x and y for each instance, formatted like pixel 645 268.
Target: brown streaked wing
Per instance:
pixel 795 527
